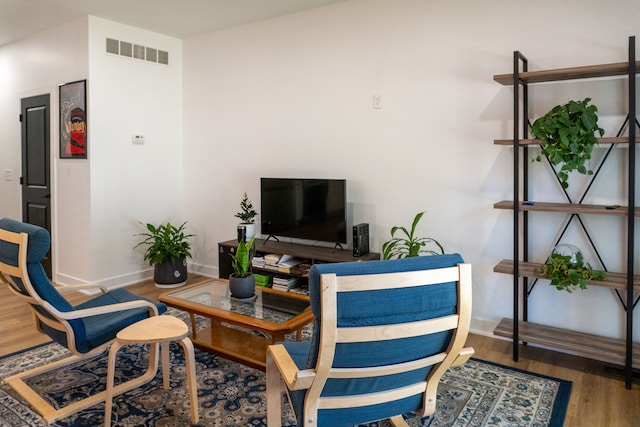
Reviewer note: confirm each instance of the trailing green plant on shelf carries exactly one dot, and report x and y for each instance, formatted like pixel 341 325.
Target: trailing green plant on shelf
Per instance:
pixel 568 134
pixel 242 258
pixel 165 242
pixel 409 245
pixel 569 271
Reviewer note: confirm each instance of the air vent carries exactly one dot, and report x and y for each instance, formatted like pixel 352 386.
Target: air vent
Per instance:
pixel 113 46
pixel 163 57
pixel 152 55
pixel 136 51
pixel 126 49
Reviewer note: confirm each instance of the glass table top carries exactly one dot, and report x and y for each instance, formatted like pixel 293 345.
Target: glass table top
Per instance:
pixel 271 306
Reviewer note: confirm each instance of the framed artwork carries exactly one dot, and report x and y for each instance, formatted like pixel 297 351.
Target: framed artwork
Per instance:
pixel 73 120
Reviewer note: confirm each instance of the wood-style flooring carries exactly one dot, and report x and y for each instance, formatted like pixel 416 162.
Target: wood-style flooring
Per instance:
pixel 598 397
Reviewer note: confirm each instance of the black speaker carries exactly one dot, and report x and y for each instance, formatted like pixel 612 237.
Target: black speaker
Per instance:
pixel 360 239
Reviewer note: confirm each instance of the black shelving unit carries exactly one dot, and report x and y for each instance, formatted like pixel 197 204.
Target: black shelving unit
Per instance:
pixel 625 284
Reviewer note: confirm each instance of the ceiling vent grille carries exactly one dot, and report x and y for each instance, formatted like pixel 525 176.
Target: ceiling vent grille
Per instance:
pixel 136 51
pixel 113 46
pixel 126 49
pixel 163 57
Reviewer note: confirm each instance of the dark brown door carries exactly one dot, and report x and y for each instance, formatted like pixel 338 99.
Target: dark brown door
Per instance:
pixel 35 180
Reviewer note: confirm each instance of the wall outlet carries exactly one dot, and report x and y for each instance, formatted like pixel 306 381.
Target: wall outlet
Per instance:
pixel 377 101
pixel 8 174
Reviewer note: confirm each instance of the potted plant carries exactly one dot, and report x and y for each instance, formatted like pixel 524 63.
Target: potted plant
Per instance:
pixel 167 251
pixel 247 215
pixel 567 269
pixel 568 135
pixel 242 283
pixel 409 245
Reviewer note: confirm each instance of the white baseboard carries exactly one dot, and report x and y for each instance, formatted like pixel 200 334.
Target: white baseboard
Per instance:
pixel 205 270
pixel 132 278
pixel 109 283
pixel 483 326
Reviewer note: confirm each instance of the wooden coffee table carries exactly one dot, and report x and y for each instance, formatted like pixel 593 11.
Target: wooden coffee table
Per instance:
pixel 241 331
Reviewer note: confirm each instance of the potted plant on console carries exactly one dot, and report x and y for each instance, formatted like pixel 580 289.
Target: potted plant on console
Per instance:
pixel 410 245
pixel 247 215
pixel 167 251
pixel 242 283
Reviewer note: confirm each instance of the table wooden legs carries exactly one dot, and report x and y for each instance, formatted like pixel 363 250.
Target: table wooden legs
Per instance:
pixel 192 381
pixel 158 332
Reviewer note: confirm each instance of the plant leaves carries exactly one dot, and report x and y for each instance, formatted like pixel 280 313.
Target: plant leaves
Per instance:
pixel 568 134
pixel 409 246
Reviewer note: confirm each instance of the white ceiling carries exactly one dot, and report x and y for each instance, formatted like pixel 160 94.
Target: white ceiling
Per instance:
pixel 177 18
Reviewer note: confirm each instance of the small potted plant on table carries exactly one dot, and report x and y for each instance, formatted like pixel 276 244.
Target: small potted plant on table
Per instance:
pixel 242 283
pixel 167 251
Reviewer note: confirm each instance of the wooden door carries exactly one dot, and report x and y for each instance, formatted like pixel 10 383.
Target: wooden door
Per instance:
pixel 35 179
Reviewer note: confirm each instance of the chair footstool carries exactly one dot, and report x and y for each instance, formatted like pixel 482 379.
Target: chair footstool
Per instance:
pixel 158 331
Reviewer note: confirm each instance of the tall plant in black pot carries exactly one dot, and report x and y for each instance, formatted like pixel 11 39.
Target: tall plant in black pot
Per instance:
pixel 242 283
pixel 167 250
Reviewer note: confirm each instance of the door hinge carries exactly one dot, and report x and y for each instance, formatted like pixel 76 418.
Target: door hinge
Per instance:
pixel 20 117
pixel 21 180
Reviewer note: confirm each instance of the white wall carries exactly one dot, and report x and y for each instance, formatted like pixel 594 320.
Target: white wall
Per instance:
pixel 292 97
pixel 131 182
pixel 98 202
pixel 33 66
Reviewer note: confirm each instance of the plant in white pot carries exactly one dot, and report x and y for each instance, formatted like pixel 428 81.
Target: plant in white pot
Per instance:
pixel 247 215
pixel 242 283
pixel 167 251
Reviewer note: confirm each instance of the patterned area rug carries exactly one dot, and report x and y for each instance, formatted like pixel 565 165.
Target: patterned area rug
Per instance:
pixel 229 394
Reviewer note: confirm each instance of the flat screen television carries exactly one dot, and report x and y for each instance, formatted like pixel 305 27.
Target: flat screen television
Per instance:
pixel 310 209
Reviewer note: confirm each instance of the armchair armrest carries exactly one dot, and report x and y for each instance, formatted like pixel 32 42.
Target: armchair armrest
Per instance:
pixel 95 311
pixel 82 287
pixel 464 355
pixel 294 378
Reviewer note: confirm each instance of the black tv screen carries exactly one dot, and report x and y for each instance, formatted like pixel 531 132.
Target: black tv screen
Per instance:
pixel 311 209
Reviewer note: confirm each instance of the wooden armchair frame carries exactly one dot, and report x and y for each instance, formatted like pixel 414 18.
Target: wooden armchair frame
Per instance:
pixel 59 321
pixel 284 375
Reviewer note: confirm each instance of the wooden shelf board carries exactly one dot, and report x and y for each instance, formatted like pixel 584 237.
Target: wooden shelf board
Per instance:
pixel 571 208
pixel 572 73
pixel 313 253
pixel 243 347
pixel 533 141
pixel 531 269
pixel 596 347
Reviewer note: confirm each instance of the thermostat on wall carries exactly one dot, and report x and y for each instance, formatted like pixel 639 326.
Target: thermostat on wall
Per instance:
pixel 137 139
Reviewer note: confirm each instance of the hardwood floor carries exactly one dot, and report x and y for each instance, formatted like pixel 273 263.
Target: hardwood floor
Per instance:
pixel 598 396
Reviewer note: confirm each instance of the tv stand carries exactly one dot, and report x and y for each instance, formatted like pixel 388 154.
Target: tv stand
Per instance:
pixel 337 246
pixel 309 254
pixel 271 236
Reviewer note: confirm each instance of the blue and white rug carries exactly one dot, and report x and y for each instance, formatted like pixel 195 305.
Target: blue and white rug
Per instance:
pixel 230 394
